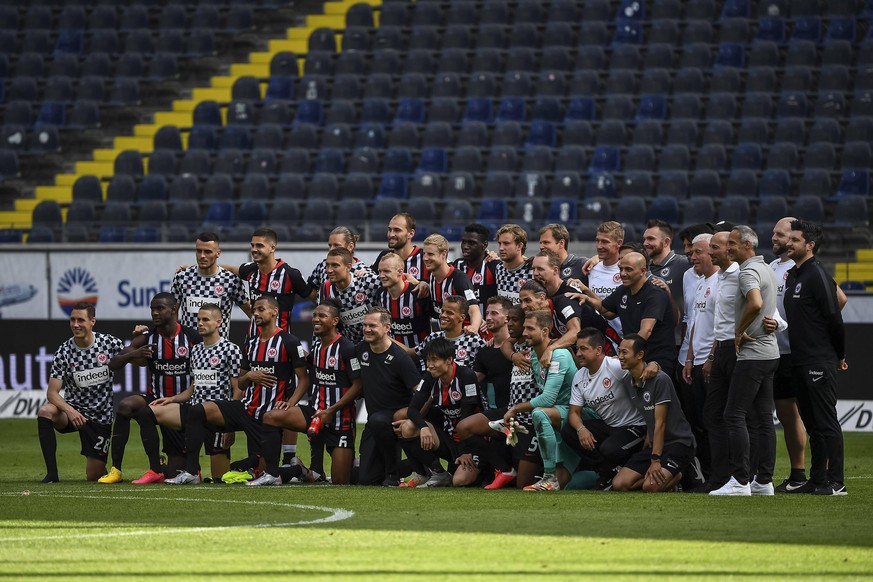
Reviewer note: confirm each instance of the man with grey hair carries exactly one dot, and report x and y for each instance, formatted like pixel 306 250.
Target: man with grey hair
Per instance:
pixel 748 412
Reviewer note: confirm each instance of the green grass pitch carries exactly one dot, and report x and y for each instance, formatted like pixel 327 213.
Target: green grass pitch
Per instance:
pixel 77 530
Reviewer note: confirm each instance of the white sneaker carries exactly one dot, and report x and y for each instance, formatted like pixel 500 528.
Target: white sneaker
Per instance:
pixel 734 489
pixel 443 479
pixel 265 479
pixel 183 478
pixel 765 489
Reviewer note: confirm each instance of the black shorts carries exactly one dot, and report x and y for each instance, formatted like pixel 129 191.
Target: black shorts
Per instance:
pixel 675 458
pixel 528 447
pixel 95 438
pixel 212 440
pixel 783 380
pixel 236 418
pixel 331 438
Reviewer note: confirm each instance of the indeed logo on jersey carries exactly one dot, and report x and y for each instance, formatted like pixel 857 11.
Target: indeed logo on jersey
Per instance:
pixel 598 401
pixel 519 375
pixel 265 369
pixel 401 327
pixel 92 377
pixel 324 377
pixel 171 367
pixel 354 316
pixel 205 377
pixel 193 304
pixel 602 291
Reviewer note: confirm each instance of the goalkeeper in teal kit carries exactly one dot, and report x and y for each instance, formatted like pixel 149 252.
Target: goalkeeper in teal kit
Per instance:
pixel 551 406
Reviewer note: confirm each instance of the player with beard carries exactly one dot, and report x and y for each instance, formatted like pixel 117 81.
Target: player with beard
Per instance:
pixel 556 238
pixel 410 314
pixel 664 264
pixel 492 369
pixel 514 270
pixel 467 345
pixel 448 396
pixel 475 264
pixel 445 280
pixel 165 349
pixel 401 230
pixel 335 385
pixel 521 463
pixel 214 376
pixel 80 369
pixel 271 362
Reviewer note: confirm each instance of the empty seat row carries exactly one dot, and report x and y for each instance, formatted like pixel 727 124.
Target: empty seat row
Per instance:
pixel 75 42
pixel 81 114
pixel 159 66
pixel 65 89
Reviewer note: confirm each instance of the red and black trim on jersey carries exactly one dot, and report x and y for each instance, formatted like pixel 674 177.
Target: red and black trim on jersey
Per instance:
pixel 410 315
pixel 455 283
pixel 456 400
pixel 279 355
pixel 482 278
pixel 170 364
pixel 283 283
pixel 331 377
pixel 414 263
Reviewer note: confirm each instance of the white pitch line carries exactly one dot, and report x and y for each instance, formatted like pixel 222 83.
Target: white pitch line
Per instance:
pixel 336 514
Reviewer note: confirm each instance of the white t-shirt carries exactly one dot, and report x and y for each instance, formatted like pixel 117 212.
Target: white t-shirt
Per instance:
pixel 607 393
pixel 780 269
pixel 689 283
pixel 703 318
pixel 725 299
pixel 603 280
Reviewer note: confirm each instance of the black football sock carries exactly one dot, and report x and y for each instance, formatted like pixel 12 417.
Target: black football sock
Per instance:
pixel 195 432
pixel 148 432
pixel 798 475
pixel 48 442
pixel 491 451
pixel 120 434
pixel 316 455
pixel 271 441
pixel 288 453
pixel 413 450
pixel 249 462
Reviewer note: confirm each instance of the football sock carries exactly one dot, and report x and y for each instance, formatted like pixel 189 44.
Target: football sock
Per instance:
pixel 148 432
pixel 120 434
pixel 547 439
pixel 316 454
pixel 491 451
pixel 48 442
pixel 249 462
pixel 271 441
pixel 288 453
pixel 798 475
pixel 195 432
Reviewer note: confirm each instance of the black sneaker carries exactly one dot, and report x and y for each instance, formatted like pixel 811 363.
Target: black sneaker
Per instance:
pixel 832 489
pixel 788 486
pixel 705 488
pixel 391 481
pixel 797 487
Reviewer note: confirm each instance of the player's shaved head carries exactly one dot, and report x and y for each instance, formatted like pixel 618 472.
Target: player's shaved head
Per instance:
pixel 393 261
pixel 212 308
pixel 164 297
pixel 635 259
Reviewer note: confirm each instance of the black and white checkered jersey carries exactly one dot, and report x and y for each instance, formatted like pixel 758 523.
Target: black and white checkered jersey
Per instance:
pixel 510 281
pixel 357 299
pixel 410 315
pixel 466 347
pixel 522 387
pixel 212 368
pixel 193 290
pixel 319 273
pixel 86 377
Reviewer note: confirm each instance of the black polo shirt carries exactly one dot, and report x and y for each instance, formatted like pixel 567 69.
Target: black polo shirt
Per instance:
pixel 650 302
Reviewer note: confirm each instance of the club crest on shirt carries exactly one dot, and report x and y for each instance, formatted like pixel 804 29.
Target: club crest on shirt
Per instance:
pixel 647 397
pixel 331 361
pixel 455 394
pixel 214 360
pixel 462 353
pixel 477 278
pixel 413 271
pixel 543 374
pixel 365 356
pixel 219 290
pixel 521 283
pixel 797 289
pixel 607 383
pixel 359 297
pixel 274 285
pixel 616 278
pixel 566 271
pixel 624 300
pixel 406 311
pixel 665 271
pixel 272 352
pixel 705 295
pixel 785 276
pixel 102 358
pixel 181 351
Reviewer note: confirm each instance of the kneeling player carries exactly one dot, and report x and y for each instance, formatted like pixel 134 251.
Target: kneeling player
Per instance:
pixel 670 445
pixel 449 396
pixel 215 367
pixel 270 361
pixel 80 368
pixel 336 384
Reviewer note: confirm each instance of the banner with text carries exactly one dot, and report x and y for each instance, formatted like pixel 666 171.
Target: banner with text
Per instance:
pixel 24 286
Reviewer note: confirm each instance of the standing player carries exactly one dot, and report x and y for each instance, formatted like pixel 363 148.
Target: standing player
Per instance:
pixel 214 376
pixel 475 264
pixel 410 314
pixel 514 270
pixel 450 395
pixel 556 238
pixel 166 349
pixel 208 282
pixel 605 277
pixel 818 350
pixel 669 446
pixel 664 264
pixel 270 362
pixel 80 368
pixel 356 292
pixel 550 407
pixel 401 230
pixel 606 439
pixel 341 237
pixel 388 378
pixel 445 280
pixel 748 413
pixel 467 345
pixel 331 414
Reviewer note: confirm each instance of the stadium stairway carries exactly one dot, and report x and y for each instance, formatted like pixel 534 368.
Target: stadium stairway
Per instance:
pixel 856 275
pixel 180 115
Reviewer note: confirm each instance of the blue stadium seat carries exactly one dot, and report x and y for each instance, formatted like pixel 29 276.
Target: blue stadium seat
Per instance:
pixel 699 211
pixel 600 186
pixel 329 161
pixel 735 210
pixel 854 183
pixel 605 159
pixel 541 133
pixel 808 208
pixel 410 110
pixel 398 160
pixel 851 212
pixel 741 183
pixel 478 109
pixel 663 209
pixel 562 210
pixel 807 28
pixel 651 107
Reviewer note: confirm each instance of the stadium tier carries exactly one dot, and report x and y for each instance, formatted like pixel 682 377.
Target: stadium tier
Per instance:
pixel 532 112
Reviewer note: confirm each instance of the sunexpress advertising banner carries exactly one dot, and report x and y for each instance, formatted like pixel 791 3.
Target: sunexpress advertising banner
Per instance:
pixel 24 292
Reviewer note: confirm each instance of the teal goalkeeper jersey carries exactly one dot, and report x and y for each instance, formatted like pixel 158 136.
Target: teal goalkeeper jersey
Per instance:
pixel 556 383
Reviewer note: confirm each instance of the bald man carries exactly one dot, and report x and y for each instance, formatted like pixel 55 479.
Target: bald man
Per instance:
pixel 642 308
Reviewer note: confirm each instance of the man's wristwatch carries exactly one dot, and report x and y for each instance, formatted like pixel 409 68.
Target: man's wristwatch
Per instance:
pixel 710 357
pixel 656 457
